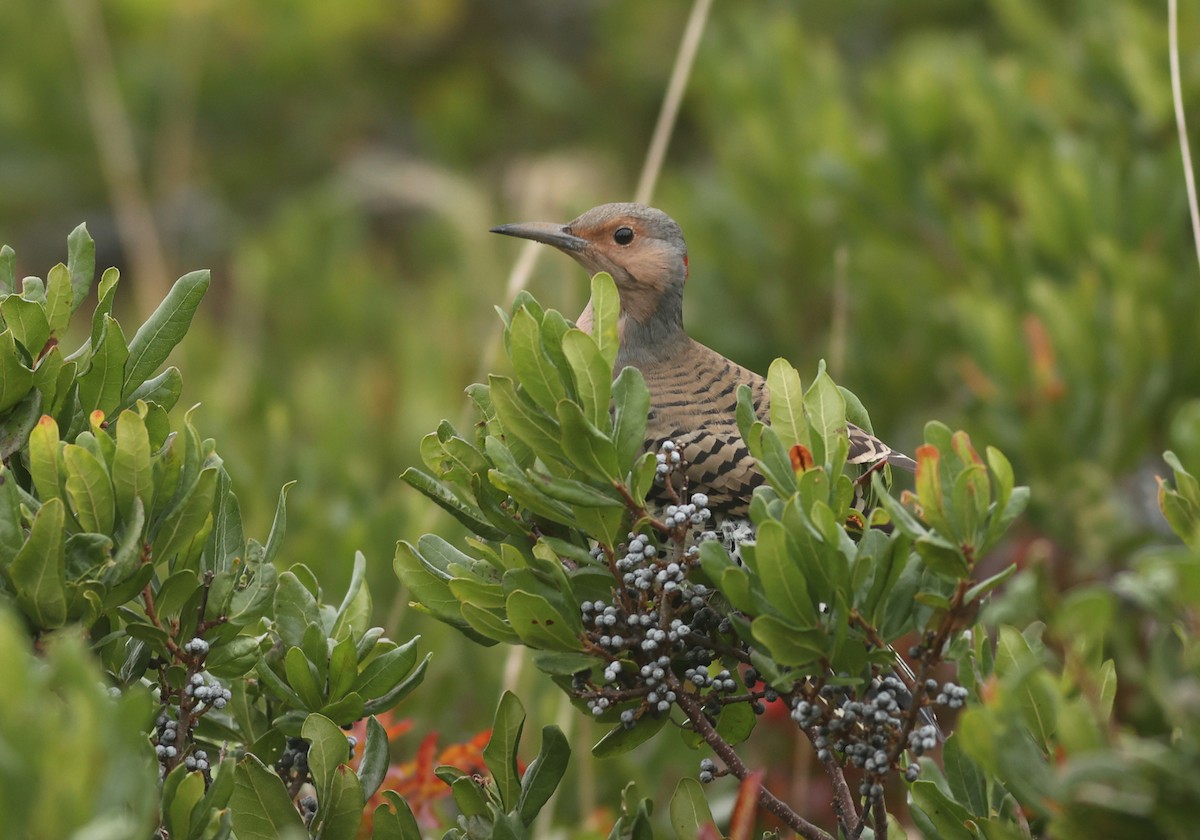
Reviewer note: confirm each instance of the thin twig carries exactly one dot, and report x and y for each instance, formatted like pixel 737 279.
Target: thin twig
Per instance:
pixel 1180 120
pixel 695 714
pixel 665 126
pixel 843 799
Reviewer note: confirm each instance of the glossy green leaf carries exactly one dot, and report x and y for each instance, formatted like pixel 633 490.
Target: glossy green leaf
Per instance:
pixel 183 524
pixel 539 624
pixel 533 367
pixel 394 820
pixel 26 320
pixel 788 644
pixel 155 339
pixel 17 424
pixel 132 473
pixel 261 806
pixel 81 264
pixel 15 377
pixel 689 811
pixel 500 754
pixel 782 578
pixel 586 446
pixel 375 759
pixel 787 404
pixel 592 375
pixel 524 420
pixel 89 490
pixel 45 460
pixel 620 740
pixel 606 309
pixel 386 701
pixel 59 299
pixel 543 774
pixel 37 570
pixel 101 382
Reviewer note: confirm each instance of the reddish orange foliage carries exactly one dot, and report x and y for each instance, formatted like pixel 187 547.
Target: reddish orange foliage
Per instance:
pixel 802 458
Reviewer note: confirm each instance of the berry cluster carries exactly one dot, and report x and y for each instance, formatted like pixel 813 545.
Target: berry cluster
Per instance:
pixel 196 647
pixel 668 458
pixel 165 738
pixel 214 694
pixel 292 765
pixel 658 626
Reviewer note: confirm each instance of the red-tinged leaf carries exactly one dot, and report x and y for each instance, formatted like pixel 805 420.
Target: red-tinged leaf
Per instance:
pixel 802 458
pixel 745 809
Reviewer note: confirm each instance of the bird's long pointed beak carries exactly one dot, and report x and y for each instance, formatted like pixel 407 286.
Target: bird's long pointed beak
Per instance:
pixel 548 233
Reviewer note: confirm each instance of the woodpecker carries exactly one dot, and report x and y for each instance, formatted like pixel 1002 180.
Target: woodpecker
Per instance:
pixel 693 389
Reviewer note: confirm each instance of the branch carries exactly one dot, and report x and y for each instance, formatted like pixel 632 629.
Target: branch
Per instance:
pixel 688 703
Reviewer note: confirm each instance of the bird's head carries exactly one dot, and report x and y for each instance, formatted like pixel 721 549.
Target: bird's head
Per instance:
pixel 641 247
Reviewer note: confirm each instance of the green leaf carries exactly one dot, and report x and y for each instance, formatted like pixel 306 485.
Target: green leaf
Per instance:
pixel 787 404
pixel 620 740
pixel 606 309
pixel 539 624
pixel 89 490
pixel 8 272
pixel 396 694
pixel 827 411
pixel 574 492
pixel 328 749
pixel 15 378
pixel 631 401
pixel 164 329
pixel 500 754
pixel 782 578
pixel 394 820
pixel 81 264
pixel 689 810
pixel 262 809
pixel 100 384
pixel 132 473
pixel 58 300
pixel 26 320
pixel 180 800
pixel 469 516
pixel 966 781
pixel 789 644
pixel 592 375
pixel 184 523
pixel 355 610
pixel 18 423
pixel 278 525
pixel 376 757
pixel 524 421
pixel 945 815
pixel 587 447
pixel 543 774
pixel 37 572
pixel 164 390
pixel 532 366
pixel 383 672
pixel 295 609
pixel 302 677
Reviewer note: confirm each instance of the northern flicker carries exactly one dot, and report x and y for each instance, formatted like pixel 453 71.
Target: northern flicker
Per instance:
pixel 693 389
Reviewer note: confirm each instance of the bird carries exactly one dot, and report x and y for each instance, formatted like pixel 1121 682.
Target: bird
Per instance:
pixel 693 388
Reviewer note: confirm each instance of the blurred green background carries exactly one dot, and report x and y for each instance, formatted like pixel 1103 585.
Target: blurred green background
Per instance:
pixel 975 211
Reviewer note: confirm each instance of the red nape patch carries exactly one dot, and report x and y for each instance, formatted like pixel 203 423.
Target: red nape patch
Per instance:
pixel 687 270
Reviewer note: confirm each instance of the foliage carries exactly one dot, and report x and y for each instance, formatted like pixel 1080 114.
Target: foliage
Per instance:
pixel 640 619
pixel 75 757
pixel 118 519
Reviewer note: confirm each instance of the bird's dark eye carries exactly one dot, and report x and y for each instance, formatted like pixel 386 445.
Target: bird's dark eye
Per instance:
pixel 623 235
